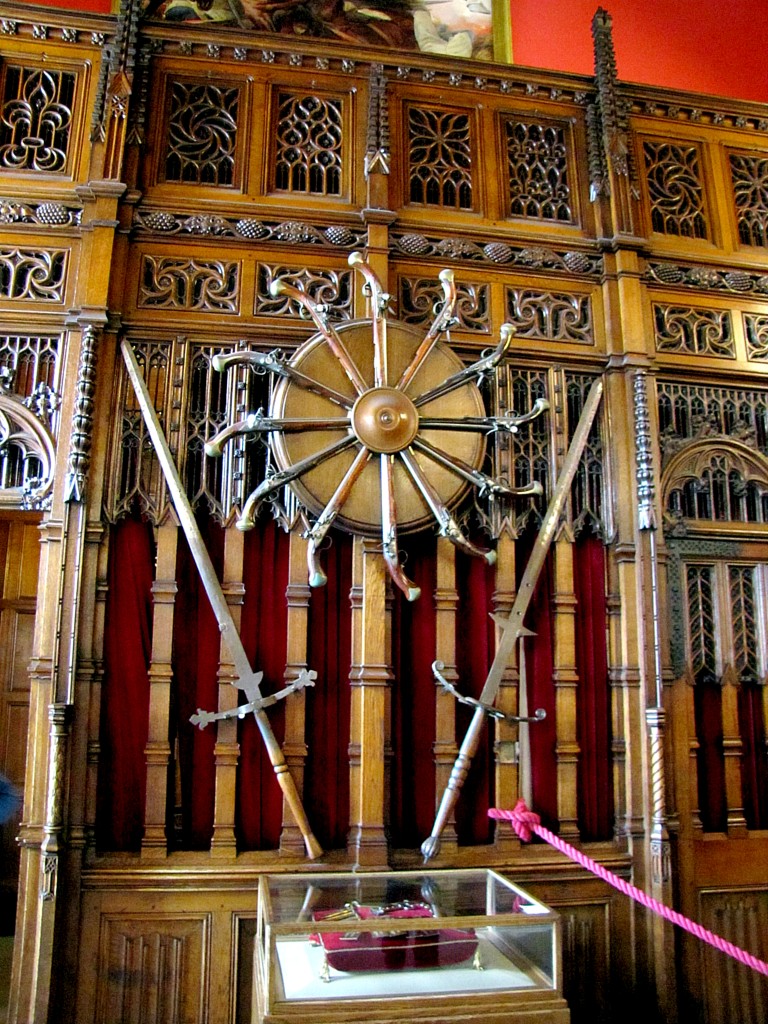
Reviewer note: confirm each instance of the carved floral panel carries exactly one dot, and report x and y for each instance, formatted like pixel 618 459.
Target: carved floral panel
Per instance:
pixel 756 331
pixel 331 288
pixel 420 297
pixel 440 158
pixel 537 166
pixel 704 332
pixel 37 275
pixel 200 286
pixel 676 189
pixel 308 154
pixel 202 136
pixel 749 174
pixel 550 316
pixel 36 119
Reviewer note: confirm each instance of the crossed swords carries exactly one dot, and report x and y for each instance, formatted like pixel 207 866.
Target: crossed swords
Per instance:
pixel 247 680
pixel 512 628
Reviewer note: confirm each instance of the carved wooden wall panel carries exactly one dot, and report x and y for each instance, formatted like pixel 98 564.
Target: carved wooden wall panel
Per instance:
pixel 731 992
pixel 619 230
pixel 20 550
pixel 153 969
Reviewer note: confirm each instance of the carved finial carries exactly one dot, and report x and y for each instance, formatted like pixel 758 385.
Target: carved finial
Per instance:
pixel 377 141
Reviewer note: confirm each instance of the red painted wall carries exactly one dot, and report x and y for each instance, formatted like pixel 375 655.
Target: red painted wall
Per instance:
pixel 99 6
pixel 711 46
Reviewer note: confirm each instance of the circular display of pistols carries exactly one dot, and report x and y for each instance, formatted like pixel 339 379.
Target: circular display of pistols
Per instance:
pixel 375 426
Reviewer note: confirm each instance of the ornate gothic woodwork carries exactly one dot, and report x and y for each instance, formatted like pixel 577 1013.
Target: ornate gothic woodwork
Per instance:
pixel 159 180
pixel 676 189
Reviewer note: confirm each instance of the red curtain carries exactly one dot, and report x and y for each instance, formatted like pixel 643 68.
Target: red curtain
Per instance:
pixel 539 669
pixel 264 629
pixel 196 645
pixel 125 690
pixel 413 698
pixel 475 646
pixel 754 765
pixel 707 697
pixel 595 782
pixel 329 653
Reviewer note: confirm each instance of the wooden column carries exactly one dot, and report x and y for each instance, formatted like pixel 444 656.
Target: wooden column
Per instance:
pixel 226 751
pixel 445 748
pixel 733 749
pixel 294 743
pixel 157 750
pixel 370 680
pixel 506 747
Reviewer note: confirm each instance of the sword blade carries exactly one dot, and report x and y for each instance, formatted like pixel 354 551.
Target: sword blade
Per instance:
pixel 247 678
pixel 513 627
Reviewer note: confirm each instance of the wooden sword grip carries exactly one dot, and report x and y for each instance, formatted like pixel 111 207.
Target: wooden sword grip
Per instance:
pixel 431 846
pixel 287 785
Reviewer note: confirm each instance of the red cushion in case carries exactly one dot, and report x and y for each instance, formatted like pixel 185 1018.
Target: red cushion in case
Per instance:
pixel 392 951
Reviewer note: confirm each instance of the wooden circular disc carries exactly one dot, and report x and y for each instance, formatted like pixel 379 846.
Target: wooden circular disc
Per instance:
pixel 361 513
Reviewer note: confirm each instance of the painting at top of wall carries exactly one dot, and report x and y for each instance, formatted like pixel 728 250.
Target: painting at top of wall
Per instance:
pixel 455 28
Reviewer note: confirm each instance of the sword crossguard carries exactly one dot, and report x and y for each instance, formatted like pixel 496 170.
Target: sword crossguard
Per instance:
pixel 437 668
pixel 306 677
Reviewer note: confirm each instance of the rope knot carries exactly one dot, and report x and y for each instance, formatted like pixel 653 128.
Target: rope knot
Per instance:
pixel 523 821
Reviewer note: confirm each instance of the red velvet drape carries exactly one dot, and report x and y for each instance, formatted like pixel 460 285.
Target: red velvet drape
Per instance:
pixel 595 783
pixel 264 625
pixel 475 647
pixel 754 765
pixel 196 647
pixel 329 653
pixel 707 697
pixel 125 690
pixel 413 699
pixel 539 668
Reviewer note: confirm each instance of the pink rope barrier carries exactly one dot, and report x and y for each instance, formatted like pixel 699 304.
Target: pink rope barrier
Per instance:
pixel 525 822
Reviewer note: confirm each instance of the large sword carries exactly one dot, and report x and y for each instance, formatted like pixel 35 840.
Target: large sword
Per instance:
pixel 247 680
pixel 512 626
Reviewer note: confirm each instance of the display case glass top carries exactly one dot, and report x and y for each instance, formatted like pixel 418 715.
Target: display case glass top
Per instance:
pixel 378 938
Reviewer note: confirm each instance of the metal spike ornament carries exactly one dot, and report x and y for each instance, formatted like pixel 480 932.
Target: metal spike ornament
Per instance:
pixel 377 429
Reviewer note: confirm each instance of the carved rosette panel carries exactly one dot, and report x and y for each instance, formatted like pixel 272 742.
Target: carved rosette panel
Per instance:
pixel 202 134
pixel 36 118
pixel 676 189
pixel 702 634
pixel 550 316
pixel 200 286
pixel 36 275
pixel 749 174
pixel 419 297
pixel 309 145
pixel 689 412
pixel 537 165
pixel 331 288
pixel 756 332
pixel 701 332
pixel 440 158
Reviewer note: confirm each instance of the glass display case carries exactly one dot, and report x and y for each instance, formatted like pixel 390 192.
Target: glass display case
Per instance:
pixel 393 946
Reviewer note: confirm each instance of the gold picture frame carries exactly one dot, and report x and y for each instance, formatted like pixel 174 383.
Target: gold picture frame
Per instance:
pixel 467 29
